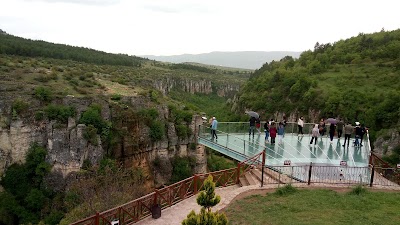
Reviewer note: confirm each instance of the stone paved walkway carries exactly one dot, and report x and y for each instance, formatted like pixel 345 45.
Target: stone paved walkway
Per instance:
pixel 175 214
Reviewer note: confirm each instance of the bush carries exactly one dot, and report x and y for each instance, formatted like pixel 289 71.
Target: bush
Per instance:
pixel 92 116
pixel 19 106
pixel 115 97
pixel 60 113
pixel 43 94
pixel 182 168
pixel 286 190
pixel 216 163
pixel 39 115
pixel 183 131
pixel 90 135
pixel 148 115
pixel 358 190
pixel 157 130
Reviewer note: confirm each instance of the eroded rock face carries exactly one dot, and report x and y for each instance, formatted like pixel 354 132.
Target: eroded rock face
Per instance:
pixel 385 144
pixel 195 86
pixel 68 149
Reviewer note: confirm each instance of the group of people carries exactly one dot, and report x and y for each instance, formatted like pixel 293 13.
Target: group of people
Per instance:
pixel 339 127
pixel 272 130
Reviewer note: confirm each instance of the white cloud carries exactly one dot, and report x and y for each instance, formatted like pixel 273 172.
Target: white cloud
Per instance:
pixel 195 26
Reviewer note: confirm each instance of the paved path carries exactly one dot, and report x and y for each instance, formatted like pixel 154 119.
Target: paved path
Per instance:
pixel 175 214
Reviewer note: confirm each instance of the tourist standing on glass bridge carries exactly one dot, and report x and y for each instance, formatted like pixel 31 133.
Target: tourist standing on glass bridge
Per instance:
pixel 314 134
pixel 359 133
pixel 300 124
pixel 332 131
pixel 281 131
pixel 252 121
pixel 322 127
pixel 214 125
pixel 348 130
pixel 272 133
pixel 339 127
pixel 266 130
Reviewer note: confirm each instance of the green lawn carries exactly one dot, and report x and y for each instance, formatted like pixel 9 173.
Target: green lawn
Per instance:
pixel 316 207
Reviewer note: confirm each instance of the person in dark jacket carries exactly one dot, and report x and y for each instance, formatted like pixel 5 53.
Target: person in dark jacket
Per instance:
pixel 339 127
pixel 252 121
pixel 332 132
pixel 363 131
pixel 358 133
pixel 272 132
pixel 266 130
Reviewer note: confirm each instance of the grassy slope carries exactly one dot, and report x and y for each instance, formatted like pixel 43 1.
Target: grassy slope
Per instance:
pixel 317 207
pixel 20 75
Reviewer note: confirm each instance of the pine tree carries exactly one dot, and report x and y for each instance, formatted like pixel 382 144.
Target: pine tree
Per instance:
pixel 206 199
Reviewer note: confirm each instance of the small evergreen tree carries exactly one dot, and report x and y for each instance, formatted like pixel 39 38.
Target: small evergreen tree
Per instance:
pixel 206 199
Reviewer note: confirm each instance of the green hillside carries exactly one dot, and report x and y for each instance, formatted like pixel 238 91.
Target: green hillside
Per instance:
pixel 357 79
pixel 81 72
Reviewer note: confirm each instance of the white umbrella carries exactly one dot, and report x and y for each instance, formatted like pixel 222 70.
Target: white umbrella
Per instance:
pixel 253 114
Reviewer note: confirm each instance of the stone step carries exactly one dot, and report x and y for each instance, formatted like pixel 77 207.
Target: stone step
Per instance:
pixel 249 177
pixel 243 181
pixel 282 178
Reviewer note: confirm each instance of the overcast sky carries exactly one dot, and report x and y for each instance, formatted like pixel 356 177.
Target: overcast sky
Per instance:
pixel 169 27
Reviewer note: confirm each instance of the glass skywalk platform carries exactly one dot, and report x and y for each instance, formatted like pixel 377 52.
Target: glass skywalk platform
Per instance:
pixel 294 150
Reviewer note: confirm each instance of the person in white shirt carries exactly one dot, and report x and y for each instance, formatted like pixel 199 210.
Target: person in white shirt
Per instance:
pixel 300 124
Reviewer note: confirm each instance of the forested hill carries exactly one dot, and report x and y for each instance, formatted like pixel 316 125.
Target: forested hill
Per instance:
pixel 13 45
pixel 356 79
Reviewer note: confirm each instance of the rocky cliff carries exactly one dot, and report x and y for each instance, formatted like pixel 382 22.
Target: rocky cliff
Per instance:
pixel 165 85
pixel 387 142
pixel 68 148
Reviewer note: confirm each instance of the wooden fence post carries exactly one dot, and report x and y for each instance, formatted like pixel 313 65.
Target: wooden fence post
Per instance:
pixel 372 176
pixel 238 174
pixel 195 184
pixel 97 219
pixel 309 174
pixel 262 168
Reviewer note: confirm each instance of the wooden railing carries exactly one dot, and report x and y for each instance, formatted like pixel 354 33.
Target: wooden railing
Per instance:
pixel 141 208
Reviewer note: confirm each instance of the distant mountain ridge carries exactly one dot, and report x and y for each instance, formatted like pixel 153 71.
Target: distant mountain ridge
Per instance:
pixel 240 59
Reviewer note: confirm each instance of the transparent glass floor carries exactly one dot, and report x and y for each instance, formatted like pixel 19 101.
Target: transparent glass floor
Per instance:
pixel 294 149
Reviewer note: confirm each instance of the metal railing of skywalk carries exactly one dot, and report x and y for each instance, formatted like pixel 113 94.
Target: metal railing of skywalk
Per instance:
pixel 243 127
pixel 238 148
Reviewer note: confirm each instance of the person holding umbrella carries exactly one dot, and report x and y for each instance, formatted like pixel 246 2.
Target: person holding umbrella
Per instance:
pixel 253 118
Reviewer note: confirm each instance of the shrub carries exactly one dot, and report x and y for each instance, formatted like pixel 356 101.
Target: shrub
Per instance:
pixel 182 168
pixel 157 130
pixel 86 164
pixel 92 116
pixel 19 106
pixel 183 131
pixel 90 135
pixel 286 190
pixel 358 190
pixel 148 115
pixel 60 113
pixel 39 115
pixel 216 163
pixel 115 97
pixel 43 94
pixel 206 199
